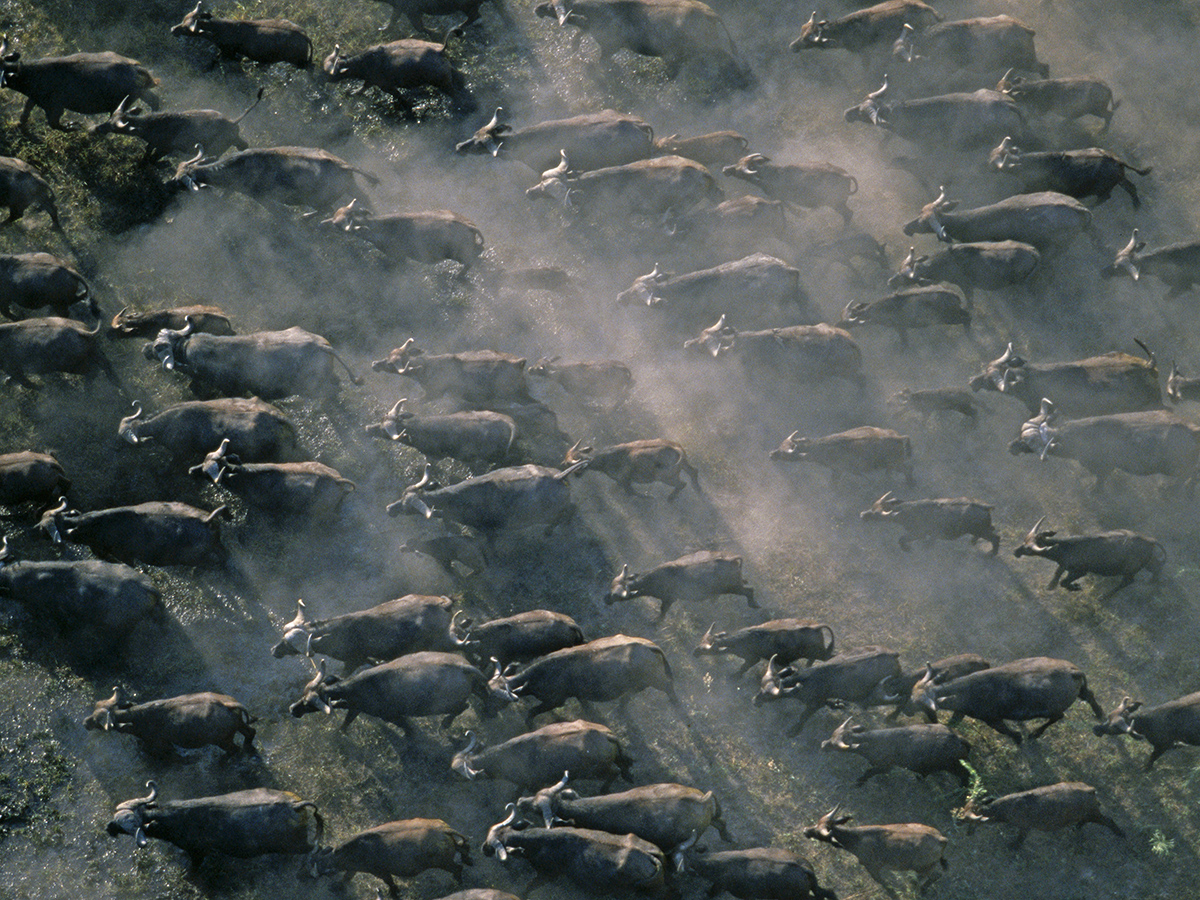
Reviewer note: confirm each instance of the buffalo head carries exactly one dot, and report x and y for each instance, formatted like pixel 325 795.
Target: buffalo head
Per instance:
pixel 644 288
pixel 1126 260
pixel 793 447
pixel 102 715
pixel 823 830
pixel 554 184
pixel 718 338
pixel 1119 721
pixel 871 110
pixel 1037 434
pixel 193 23
pixel 883 508
pixel 130 816
pixel 812 34
pixel 928 221
pixel 488 138
pixel 1001 374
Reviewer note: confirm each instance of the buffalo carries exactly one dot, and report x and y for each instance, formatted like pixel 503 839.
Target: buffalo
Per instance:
pixel 592 141
pixel 910 847
pixel 1047 220
pixel 23 186
pixel 521 637
pixel 859 450
pixel 309 489
pixel 256 431
pixel 401 65
pixel 205 320
pixel 603 382
pixel 189 721
pixel 702 575
pixel 425 237
pixel 1174 722
pixel 396 849
pixel 1180 387
pixel 1070 98
pixel 42 346
pixel 960 121
pixel 1046 808
pixel 1175 265
pixel 852 676
pixel 643 462
pixel 914 307
pixel 532 759
pixel 41 280
pixel 477 437
pixel 1077 173
pixel 176 132
pixel 264 41
pixel 715 149
pixel 804 185
pixel 785 640
pixel 156 533
pixel 770 873
pixel 928 401
pixel 986 265
pixel 984 44
pixel 28 476
pixel 948 519
pixel 922 749
pixel 1111 553
pixel 476 377
pixel 863 29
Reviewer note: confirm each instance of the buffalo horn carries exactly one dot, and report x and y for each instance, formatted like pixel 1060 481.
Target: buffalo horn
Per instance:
pixel 1031 538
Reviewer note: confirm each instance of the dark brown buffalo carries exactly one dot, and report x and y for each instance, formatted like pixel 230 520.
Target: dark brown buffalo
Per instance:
pixel 27 476
pixel 1046 808
pixel 256 431
pixel 853 676
pixel 82 82
pixel 760 873
pixel 41 346
pixel 936 518
pixel 1108 553
pixel 189 721
pixel 957 121
pixel 176 132
pixel 935 400
pixel 266 364
pixel 1175 265
pixel 42 281
pixel 1113 382
pixel 603 382
pixel 408 624
pixel 898 689
pixel 987 265
pixel 1077 173
pixel 735 227
pixel 859 450
pixel 666 815
pixel 415 685
pixel 784 355
pixel 425 237
pixel 719 148
pixel 986 44
pixel 521 637
pixel 416 10
pixel 648 187
pixel 403 65
pixel 23 186
pixel 1070 98
pixel 1174 722
pixel 536 758
pixel 1047 220
pixel 309 489
pixel 910 847
pixel 785 640
pixel 1155 442
pixel 480 438
pixel 863 29
pixel 922 749
pixel 156 533
pixel 609 668
pixel 640 462
pixel 242 824
pixel 704 575
pixel 293 176
pixel 475 377
pixel 205 320
pixel 401 849
pixel 913 307
pixel 264 41
pixel 677 31
pixel 1035 688
pixel 804 185
pixel 591 141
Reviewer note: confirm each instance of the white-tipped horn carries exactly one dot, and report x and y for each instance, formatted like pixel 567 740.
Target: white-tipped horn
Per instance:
pixel 877 94
pixel 1033 532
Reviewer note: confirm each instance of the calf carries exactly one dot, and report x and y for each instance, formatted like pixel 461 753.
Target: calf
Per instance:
pixel 1077 173
pixel 1174 722
pixel 256 431
pixel 1070 98
pixel 242 824
pixel 850 677
pixel 760 872
pixel 859 450
pixel 389 630
pixel 27 476
pixel 702 575
pixel 82 82
pixel 882 848
pixel 666 815
pixel 396 849
pixel 23 186
pixel 1046 808
pixel 1035 688
pixel 189 721
pixel 309 489
pixel 176 132
pixel 1111 553
pixel 42 346
pixel 805 185
pixel 418 684
pixel 936 518
pixel 785 640
pixel 604 383
pixel 425 237
pixel 264 41
pixel 480 438
pixel 923 749
pixel 401 65
pixel 536 758
pixel 40 280
pixel 914 307
pixel 643 462
pixel 609 668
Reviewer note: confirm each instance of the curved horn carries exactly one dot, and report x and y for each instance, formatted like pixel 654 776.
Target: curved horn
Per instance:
pixel 876 94
pixel 1131 247
pixel 125 427
pixel 1033 532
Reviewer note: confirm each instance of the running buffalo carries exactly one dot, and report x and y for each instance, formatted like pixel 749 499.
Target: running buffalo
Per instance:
pixel 401 65
pixel 1175 265
pixel 859 450
pixel 643 462
pixel 1035 688
pixel 912 307
pixel 176 132
pixel 1155 442
pixel 866 28
pixel 1174 722
pixel 535 758
pixel 1047 220
pixel 396 849
pixel 242 824
pixel 256 431
pixel 408 624
pixel 936 400
pixel 945 518
pixel 1111 553
pixel 156 533
pixel 1070 98
pixel 82 82
pixel 23 186
pixel 189 721
pixel 520 637
pixel 477 437
pixel 702 575
pixel 591 141
pixel 26 476
pixel 984 44
pixel 1077 173
pixel 425 237
pixel 309 489
pixel 41 280
pixel 986 265
pixel 264 41
pixel 852 676
pixel 957 121
pixel 781 355
pixel 42 346
pixel 1110 383
pixel 804 185
pixel 1046 808
pixel 770 873
pixel 785 640
pixel 922 749
pixel 476 377
pixel 267 364
pixel 205 320
pixel 714 149
pixel 602 382
pixel 910 847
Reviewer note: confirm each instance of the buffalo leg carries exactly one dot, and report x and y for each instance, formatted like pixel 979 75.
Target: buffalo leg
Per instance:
pixel 742 669
pixel 662 611
pixel 1159 750
pixel 26 112
pixel 1058 573
pixel 1070 583
pixel 1131 190
pixel 748 593
pixel 1100 818
pixel 869 774
pixel 1037 732
pixel 998 725
pixel 351 715
pixel 393 888
pixel 1126 580
pixel 1016 842
pixel 804 717
pixel 542 707
pixel 1086 695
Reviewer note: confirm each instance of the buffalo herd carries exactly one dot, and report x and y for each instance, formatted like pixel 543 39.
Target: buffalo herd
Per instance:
pixel 731 302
